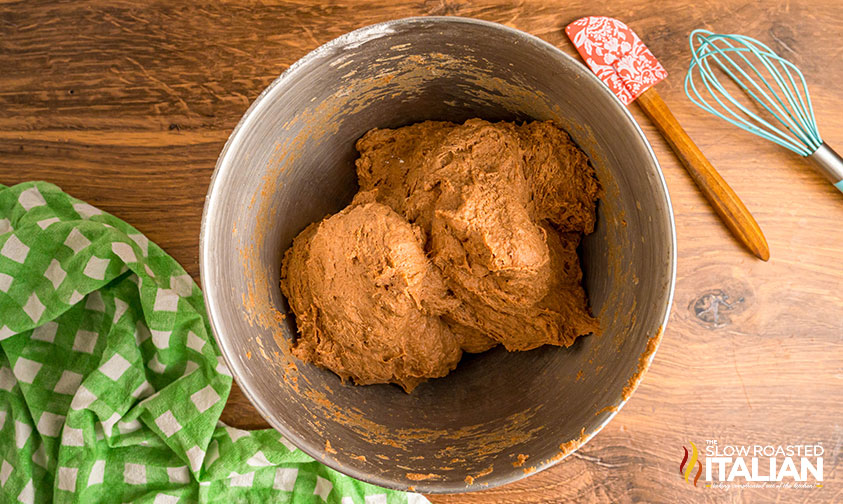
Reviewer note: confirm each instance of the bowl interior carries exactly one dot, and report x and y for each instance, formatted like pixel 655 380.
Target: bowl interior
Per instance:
pixel 291 162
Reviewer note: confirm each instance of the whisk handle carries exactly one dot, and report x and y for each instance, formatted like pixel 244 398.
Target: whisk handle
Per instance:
pixel 720 196
pixel 830 164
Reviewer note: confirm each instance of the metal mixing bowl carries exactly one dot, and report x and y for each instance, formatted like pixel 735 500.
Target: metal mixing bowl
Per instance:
pixel 290 162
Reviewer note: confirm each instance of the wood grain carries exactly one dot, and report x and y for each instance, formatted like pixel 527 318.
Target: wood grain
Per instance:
pixel 717 191
pixel 127 104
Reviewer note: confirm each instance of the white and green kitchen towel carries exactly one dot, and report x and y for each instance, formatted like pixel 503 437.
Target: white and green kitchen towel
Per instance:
pixel 111 386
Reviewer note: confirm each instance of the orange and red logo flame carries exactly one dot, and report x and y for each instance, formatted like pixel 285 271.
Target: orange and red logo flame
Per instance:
pixel 687 466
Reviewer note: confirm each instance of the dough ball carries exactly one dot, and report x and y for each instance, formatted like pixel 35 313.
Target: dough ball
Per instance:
pixel 368 301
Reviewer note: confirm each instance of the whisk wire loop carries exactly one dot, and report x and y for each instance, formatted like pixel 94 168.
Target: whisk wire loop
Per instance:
pixel 783 92
pixel 722 91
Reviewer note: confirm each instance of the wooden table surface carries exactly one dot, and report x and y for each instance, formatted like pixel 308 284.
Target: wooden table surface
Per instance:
pixel 127 104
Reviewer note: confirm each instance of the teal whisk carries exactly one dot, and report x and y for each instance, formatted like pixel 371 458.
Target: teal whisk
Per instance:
pixel 773 82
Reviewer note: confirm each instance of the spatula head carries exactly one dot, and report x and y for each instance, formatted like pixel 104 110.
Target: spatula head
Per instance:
pixel 616 55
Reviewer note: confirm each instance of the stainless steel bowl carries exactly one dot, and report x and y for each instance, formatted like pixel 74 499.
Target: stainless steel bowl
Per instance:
pixel 290 162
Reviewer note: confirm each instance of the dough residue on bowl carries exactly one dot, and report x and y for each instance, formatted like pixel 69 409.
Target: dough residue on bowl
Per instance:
pixel 462 237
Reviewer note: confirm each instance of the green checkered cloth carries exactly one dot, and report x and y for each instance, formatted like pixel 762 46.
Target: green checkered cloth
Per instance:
pixel 111 387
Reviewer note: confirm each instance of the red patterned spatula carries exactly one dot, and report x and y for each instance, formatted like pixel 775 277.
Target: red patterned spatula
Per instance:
pixel 619 58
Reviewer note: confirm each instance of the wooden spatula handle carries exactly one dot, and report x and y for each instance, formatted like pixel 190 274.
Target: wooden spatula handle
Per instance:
pixel 718 193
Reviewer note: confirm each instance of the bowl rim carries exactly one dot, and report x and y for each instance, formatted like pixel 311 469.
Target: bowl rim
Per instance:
pixel 210 293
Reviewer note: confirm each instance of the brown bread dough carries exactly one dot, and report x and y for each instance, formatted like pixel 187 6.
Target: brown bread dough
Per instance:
pixel 461 237
pixel 368 303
